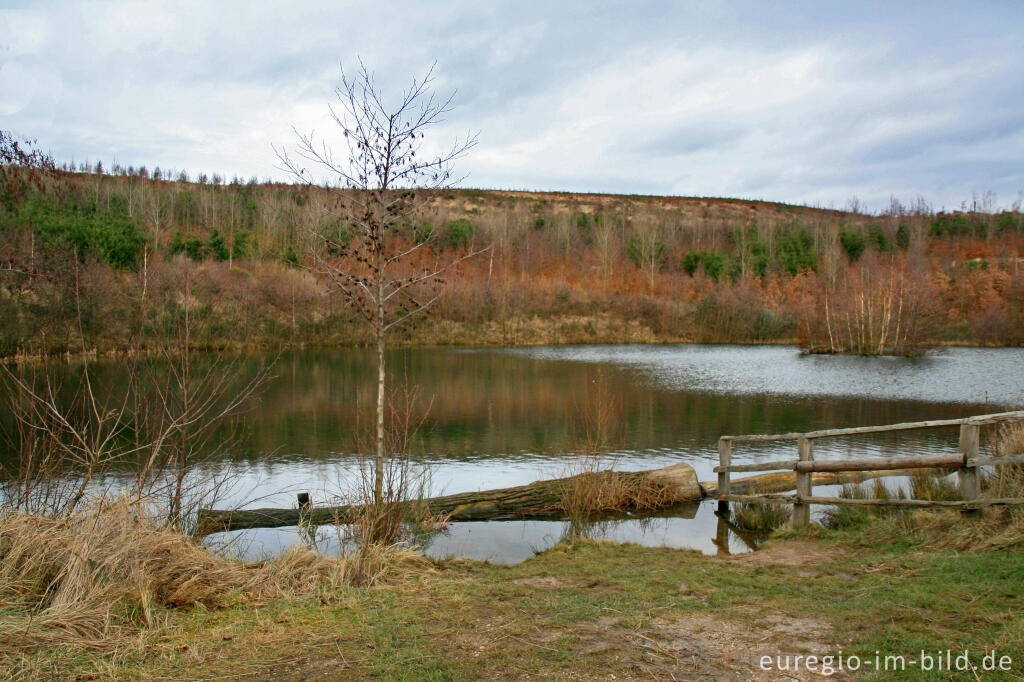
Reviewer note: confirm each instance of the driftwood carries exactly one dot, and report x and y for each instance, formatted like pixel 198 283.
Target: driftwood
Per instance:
pixel 540 500
pixel 663 487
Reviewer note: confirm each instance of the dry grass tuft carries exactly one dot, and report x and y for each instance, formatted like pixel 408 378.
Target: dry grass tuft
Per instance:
pixel 591 486
pixel 999 527
pixel 592 492
pixel 91 579
pixel 995 528
pixel 761 517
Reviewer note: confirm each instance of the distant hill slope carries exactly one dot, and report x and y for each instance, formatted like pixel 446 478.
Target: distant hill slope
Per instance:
pixel 563 267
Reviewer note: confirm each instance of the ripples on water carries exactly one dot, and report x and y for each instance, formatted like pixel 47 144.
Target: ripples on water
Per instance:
pixel 503 417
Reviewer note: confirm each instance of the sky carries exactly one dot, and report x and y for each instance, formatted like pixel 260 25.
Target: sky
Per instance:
pixel 817 103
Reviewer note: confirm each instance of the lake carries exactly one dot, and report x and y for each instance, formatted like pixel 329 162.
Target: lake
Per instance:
pixel 493 418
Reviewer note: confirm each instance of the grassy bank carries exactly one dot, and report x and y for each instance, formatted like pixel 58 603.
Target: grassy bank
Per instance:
pixel 589 610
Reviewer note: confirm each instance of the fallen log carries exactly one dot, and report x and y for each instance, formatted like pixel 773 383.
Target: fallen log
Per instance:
pixel 651 490
pixel 625 491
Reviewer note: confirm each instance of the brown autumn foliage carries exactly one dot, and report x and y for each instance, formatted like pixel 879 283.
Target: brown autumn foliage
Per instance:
pixel 562 268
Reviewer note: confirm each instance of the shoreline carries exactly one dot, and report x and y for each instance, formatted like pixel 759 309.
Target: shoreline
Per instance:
pixel 404 344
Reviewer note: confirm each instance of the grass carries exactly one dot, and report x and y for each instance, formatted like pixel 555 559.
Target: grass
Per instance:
pixel 761 517
pixel 98 578
pixel 588 610
pixel 994 528
pixel 108 597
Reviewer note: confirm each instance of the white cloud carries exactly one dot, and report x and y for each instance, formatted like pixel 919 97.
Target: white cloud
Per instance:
pixel 716 99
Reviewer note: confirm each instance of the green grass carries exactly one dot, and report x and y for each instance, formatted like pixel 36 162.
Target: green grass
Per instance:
pixel 590 610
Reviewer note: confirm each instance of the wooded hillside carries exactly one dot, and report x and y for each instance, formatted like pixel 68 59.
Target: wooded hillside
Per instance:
pixel 114 256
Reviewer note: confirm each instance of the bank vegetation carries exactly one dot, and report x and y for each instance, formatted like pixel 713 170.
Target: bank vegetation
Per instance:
pixel 115 255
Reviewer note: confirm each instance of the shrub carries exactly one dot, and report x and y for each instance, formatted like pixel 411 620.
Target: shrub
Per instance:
pixel 194 247
pixel 240 246
pixel 903 237
pixel 421 233
pixel 218 247
pixel 879 239
pixel 853 243
pixel 714 264
pixel 109 234
pixel 585 226
pixel 691 261
pixel 796 252
pixel 758 257
pixel 177 244
pixel 459 233
pixel 1008 221
pixel 290 258
pixel 644 253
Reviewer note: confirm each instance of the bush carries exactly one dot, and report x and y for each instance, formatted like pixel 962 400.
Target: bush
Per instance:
pixel 1008 221
pixel 421 233
pixel 585 226
pixel 796 252
pixel 879 239
pixel 853 243
pixel 218 247
pixel 194 247
pixel 177 244
pixel 459 233
pixel 110 234
pixel 290 258
pixel 758 257
pixel 691 261
pixel 240 246
pixel 903 237
pixel 714 264
pixel 643 253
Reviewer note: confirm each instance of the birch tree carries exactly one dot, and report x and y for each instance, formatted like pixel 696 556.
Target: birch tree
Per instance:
pixel 372 253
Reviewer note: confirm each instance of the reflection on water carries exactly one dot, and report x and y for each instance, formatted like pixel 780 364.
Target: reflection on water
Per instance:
pixel 503 417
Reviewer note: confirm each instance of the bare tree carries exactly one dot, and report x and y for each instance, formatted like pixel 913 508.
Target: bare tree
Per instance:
pixel 373 255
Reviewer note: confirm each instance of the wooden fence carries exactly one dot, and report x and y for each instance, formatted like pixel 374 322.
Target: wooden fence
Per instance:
pixel 966 462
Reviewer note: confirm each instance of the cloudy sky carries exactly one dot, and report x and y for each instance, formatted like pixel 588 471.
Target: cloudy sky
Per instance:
pixel 805 102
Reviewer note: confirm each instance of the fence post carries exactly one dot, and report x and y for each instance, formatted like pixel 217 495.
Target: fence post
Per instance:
pixel 724 459
pixel 801 510
pixel 969 485
pixel 722 536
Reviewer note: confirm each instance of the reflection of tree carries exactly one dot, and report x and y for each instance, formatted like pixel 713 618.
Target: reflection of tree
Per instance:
pixel 503 404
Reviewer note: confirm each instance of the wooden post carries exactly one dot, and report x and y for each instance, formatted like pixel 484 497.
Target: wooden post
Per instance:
pixel 303 499
pixel 724 459
pixel 802 510
pixel 969 485
pixel 722 535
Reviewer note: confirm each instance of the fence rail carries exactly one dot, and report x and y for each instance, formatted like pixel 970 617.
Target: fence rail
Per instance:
pixel 966 462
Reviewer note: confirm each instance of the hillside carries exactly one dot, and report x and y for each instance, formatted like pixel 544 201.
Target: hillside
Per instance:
pixel 563 268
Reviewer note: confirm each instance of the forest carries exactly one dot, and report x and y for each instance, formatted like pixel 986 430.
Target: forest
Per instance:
pixel 103 259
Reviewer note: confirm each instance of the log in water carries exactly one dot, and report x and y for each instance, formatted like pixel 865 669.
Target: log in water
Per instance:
pixel 540 500
pixel 658 488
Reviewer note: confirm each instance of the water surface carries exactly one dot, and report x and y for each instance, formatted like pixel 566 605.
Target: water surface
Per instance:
pixel 500 417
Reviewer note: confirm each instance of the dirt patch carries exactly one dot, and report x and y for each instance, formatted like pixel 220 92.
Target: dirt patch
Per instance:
pixel 789 553
pixel 702 646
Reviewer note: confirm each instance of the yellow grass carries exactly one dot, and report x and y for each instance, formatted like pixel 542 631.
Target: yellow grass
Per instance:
pixel 994 528
pixel 93 578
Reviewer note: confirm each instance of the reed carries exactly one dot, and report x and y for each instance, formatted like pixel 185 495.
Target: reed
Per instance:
pixel 97 577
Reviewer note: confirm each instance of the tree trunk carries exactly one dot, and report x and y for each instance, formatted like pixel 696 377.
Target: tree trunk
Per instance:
pixel 538 500
pixel 378 462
